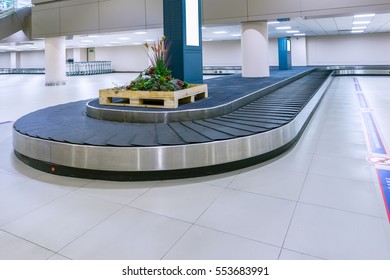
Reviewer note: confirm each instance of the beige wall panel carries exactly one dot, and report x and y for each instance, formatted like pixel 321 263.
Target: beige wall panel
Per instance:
pixel 154 13
pixel 224 9
pixel 266 7
pixel 68 3
pixel 48 6
pixel 122 14
pixel 79 19
pixel 45 23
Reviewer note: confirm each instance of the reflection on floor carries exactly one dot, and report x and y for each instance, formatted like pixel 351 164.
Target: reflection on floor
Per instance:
pixel 320 200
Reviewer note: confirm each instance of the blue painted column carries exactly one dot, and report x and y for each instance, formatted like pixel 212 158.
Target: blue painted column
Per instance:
pixel 284 47
pixel 183 29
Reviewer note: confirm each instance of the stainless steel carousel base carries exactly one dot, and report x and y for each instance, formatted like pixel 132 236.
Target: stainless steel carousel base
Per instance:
pixel 162 162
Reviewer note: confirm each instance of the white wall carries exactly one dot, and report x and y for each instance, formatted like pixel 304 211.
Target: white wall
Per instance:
pixel 130 58
pixel 32 59
pixel 367 49
pixel 228 53
pixel 5 60
pixel 298 51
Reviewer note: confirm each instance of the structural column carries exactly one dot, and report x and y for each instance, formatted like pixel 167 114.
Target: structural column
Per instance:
pixel 15 60
pixel 183 29
pixel 254 49
pixel 55 61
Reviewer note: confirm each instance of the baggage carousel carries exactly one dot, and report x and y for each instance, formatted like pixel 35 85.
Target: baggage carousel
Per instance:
pixel 244 121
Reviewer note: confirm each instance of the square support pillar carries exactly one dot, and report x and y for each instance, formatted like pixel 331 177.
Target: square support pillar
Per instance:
pixel 183 29
pixel 284 48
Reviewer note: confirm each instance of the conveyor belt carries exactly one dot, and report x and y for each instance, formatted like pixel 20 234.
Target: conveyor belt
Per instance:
pixel 62 138
pixel 269 112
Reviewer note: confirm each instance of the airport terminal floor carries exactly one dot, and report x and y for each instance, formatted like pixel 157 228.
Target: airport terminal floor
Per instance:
pixel 319 200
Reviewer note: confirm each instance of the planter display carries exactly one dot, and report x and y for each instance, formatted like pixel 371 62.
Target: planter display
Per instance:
pixel 153 99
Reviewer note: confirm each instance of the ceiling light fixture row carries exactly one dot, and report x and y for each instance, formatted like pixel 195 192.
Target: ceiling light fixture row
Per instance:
pixel 361 22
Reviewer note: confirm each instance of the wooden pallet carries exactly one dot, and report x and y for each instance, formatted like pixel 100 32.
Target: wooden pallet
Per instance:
pixel 153 99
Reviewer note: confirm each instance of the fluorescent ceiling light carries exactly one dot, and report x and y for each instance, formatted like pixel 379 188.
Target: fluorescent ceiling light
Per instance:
pixel 93 36
pixel 150 40
pixel 363 16
pixel 359 27
pixel 124 38
pixel 361 22
pixel 136 44
pixel 283 27
pixel 357 31
pixel 219 32
pixel 273 22
pixel 292 31
pixel 300 34
pixel 140 32
pixel 235 35
pixel 114 43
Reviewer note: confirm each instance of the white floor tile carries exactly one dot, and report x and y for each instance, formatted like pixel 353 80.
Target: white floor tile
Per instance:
pixel 337 149
pixel 128 234
pixel 183 202
pixel 118 192
pixel 271 182
pixel 348 195
pixel 20 198
pixel 15 248
pixel 252 216
pixel 340 167
pixel 335 234
pixel 200 243
pixel 291 255
pixel 62 221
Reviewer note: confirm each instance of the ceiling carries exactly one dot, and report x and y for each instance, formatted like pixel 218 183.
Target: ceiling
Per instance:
pixel 350 25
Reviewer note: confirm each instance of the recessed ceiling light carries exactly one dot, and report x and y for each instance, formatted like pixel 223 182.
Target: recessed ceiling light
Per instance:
pixel 136 44
pixel 283 27
pixel 150 40
pixel 141 32
pixel 273 22
pixel 235 35
pixel 361 22
pixel 292 31
pixel 357 31
pixel 300 34
pixel 359 27
pixel 220 32
pixel 362 16
pixel 93 36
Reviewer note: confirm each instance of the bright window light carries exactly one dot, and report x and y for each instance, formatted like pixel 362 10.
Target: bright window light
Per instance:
pixel 192 22
pixel 361 22
pixel 363 16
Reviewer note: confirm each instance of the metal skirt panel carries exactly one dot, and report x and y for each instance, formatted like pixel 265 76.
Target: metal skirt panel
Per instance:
pixel 133 159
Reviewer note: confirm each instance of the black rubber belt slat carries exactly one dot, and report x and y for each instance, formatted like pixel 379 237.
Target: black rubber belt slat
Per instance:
pixel 145 137
pixel 167 136
pixel 226 129
pixel 251 128
pixel 187 134
pixel 207 132
pixel 265 116
pixel 124 137
pixel 257 119
pixel 252 122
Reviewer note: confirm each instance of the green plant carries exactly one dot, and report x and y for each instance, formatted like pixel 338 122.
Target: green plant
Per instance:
pixel 158 76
